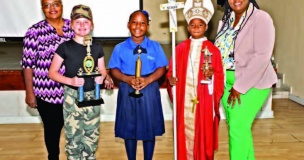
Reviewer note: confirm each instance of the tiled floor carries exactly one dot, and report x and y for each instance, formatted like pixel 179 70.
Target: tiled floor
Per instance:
pixel 10 53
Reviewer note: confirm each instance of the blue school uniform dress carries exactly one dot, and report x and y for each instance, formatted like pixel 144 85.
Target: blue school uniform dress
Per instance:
pixel 138 118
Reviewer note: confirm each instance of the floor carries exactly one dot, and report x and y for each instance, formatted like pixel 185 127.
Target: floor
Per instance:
pixel 280 138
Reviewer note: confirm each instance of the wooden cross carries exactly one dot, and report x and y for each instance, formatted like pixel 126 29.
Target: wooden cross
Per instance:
pixel 172 6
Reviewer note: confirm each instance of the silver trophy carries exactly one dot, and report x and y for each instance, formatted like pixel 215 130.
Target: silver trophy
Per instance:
pixel 206 64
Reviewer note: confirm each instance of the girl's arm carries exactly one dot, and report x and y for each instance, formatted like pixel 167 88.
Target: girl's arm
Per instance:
pixel 116 73
pixel 56 76
pixel 102 68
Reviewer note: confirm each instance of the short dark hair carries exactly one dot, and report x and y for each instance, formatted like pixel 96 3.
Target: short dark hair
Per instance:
pixel 142 11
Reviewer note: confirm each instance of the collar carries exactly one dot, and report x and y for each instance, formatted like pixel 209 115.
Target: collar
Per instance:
pixel 133 45
pixel 200 40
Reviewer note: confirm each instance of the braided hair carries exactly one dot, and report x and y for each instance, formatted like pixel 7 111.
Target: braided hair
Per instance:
pixel 227 12
pixel 228 9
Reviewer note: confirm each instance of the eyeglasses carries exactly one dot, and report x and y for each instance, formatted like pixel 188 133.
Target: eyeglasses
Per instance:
pixel 55 4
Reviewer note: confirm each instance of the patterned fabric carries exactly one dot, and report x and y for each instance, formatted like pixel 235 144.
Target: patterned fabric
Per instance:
pixel 81 11
pixel 40 42
pixel 82 127
pixel 226 41
pixel 202 9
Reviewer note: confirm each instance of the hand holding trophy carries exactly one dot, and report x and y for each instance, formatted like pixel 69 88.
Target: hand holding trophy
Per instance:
pixel 138 50
pixel 206 65
pixel 88 66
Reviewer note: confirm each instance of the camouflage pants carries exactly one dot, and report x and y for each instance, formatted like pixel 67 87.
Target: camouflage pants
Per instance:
pixel 81 127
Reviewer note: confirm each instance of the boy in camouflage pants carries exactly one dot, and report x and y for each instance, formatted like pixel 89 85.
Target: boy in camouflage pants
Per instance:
pixel 81 127
pixel 81 124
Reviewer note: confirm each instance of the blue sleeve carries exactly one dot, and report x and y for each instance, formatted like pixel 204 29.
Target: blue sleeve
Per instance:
pixel 114 61
pixel 162 60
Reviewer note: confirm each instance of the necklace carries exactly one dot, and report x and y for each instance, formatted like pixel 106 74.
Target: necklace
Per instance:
pixel 195 98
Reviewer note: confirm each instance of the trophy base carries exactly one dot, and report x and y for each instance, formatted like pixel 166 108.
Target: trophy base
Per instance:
pixel 135 95
pixel 205 81
pixel 86 103
pixel 84 75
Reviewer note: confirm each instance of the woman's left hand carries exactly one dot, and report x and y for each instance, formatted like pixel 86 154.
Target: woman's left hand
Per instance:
pixel 233 97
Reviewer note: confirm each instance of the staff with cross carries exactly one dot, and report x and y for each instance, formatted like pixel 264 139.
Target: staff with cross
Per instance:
pixel 172 6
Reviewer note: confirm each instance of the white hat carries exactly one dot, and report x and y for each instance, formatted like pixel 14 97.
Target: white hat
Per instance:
pixel 202 9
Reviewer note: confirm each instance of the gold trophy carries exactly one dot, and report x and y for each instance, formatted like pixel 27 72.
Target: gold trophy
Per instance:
pixel 138 50
pixel 88 66
pixel 206 64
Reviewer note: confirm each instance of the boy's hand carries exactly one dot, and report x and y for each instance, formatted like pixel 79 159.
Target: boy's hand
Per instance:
pixel 77 82
pixel 173 81
pixel 98 80
pixel 208 73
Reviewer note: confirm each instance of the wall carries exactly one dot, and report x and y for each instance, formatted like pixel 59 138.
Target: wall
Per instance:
pixel 289 24
pixel 16 111
pixel 159 27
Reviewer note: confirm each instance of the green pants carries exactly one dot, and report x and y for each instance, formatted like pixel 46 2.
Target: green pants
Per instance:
pixel 81 127
pixel 240 119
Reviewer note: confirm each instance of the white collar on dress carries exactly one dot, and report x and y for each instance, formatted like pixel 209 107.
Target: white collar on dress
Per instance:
pixel 200 40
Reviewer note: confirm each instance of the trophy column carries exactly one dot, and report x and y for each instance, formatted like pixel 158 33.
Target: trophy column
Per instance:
pixel 206 64
pixel 138 50
pixel 88 66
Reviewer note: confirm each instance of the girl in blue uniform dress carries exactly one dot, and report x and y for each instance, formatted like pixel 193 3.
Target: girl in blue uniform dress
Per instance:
pixel 138 118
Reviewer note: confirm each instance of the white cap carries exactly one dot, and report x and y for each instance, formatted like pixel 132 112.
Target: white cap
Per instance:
pixel 202 9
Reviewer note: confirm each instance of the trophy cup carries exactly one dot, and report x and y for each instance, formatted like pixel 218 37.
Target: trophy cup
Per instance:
pixel 88 66
pixel 206 64
pixel 138 50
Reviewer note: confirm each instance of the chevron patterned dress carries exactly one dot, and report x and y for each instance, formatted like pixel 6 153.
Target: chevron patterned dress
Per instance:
pixel 40 42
